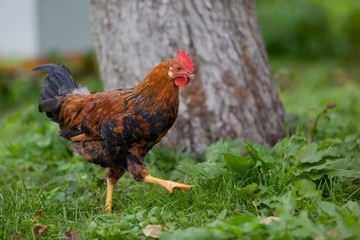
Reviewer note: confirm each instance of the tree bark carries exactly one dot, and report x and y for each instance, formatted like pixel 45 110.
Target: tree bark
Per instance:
pixel 234 93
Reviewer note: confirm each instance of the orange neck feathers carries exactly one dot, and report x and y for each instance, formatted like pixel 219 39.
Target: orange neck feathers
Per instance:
pixel 157 86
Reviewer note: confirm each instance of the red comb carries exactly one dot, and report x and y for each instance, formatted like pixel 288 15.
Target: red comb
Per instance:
pixel 186 60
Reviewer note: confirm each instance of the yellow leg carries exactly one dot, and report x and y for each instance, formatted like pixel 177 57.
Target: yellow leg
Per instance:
pixel 168 185
pixel 109 193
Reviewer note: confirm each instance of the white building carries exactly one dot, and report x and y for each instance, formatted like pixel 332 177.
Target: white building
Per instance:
pixel 31 28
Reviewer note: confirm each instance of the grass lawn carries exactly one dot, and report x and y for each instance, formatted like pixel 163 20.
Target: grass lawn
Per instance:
pixel 306 187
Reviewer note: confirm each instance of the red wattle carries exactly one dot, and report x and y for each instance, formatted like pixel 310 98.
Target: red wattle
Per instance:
pixel 181 81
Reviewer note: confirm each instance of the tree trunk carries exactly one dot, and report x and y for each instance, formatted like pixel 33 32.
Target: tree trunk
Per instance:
pixel 234 93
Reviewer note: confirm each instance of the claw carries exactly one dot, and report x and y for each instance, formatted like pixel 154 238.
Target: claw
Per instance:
pixel 168 185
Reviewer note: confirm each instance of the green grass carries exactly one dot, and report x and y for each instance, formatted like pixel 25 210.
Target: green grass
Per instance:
pixel 311 185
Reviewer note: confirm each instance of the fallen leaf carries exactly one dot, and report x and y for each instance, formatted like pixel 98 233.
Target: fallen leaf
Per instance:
pixel 15 238
pixel 153 231
pixel 268 220
pixel 73 235
pixel 38 230
pixel 320 237
pixel 257 213
pixel 335 234
pixel 37 215
pixel 61 223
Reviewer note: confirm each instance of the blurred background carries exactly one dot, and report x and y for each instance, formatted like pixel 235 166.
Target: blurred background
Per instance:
pixel 37 32
pixel 312 45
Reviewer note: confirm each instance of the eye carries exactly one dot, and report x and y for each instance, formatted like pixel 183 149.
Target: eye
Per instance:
pixel 178 68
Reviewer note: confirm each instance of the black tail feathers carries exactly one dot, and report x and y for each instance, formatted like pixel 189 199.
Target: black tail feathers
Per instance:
pixel 58 84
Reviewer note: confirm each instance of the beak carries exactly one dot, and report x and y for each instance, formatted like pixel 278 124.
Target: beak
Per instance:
pixel 191 76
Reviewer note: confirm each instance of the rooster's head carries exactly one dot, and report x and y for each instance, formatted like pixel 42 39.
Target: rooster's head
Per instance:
pixel 183 70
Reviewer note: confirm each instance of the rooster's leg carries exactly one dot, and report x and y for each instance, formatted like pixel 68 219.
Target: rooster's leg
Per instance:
pixel 138 169
pixel 112 176
pixel 168 185
pixel 109 193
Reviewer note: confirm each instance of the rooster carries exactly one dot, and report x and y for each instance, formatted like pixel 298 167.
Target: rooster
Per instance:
pixel 116 129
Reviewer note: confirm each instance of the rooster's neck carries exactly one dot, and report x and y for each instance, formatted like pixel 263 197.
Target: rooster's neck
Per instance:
pixel 157 89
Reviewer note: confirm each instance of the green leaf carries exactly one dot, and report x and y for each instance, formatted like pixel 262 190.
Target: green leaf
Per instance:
pixel 238 164
pixel 205 169
pixel 222 215
pixel 328 208
pixel 53 191
pixel 191 169
pixel 314 157
pixel 166 215
pixel 353 207
pixel 212 169
pixel 343 173
pixel 59 196
pixel 249 189
pixel 189 233
pixel 309 154
pixel 55 179
pixel 251 150
pixel 241 219
pixel 325 164
pixel 140 215
pixel 214 151
pixel 306 227
pixel 316 175
pixel 43 142
pixel 291 149
pixel 306 188
pixel 287 148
